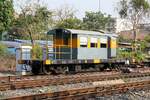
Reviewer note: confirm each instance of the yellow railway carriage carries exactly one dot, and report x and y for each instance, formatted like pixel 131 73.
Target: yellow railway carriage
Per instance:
pixel 76 50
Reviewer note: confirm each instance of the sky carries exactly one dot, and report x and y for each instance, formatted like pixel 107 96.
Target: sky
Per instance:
pixel 81 6
pixel 106 6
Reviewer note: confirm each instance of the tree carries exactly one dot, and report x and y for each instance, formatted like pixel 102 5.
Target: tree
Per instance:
pixel 64 12
pixel 65 18
pixel 6 15
pixel 33 22
pixel 71 23
pixel 135 11
pixel 95 21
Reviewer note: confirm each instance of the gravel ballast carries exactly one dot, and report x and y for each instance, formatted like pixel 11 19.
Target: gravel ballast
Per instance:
pixel 56 88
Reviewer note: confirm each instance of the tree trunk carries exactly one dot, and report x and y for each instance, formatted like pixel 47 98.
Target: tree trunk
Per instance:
pixel 32 42
pixel 134 37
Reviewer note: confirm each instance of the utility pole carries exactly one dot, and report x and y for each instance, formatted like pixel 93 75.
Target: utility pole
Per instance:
pixel 99 6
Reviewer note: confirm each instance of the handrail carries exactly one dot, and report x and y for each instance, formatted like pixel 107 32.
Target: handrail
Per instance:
pixel 59 52
pixel 59 47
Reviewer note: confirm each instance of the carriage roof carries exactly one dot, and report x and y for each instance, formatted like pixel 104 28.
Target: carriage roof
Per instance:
pixel 81 32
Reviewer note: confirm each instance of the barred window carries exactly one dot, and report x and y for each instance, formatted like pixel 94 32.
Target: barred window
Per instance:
pixel 103 45
pixel 83 41
pixel 103 42
pixel 94 42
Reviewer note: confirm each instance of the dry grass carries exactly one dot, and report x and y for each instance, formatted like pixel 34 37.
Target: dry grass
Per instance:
pixel 7 63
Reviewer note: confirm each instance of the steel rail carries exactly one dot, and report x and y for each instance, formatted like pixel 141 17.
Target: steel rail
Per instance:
pixel 86 92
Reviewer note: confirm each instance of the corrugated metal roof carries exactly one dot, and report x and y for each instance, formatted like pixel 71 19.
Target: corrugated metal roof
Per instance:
pixel 18 43
pixel 84 32
pixel 111 35
pixel 11 43
pixel 74 31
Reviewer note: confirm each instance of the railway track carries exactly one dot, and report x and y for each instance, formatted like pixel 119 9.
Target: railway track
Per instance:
pixel 84 93
pixel 6 79
pixel 39 81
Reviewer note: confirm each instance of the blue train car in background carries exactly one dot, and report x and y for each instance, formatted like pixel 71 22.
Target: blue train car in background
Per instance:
pixel 21 49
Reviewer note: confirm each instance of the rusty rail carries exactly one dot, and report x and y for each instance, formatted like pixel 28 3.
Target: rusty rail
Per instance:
pixel 4 79
pixel 86 92
pixel 22 84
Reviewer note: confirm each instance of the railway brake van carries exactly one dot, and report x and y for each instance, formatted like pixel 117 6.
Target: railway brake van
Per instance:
pixel 76 51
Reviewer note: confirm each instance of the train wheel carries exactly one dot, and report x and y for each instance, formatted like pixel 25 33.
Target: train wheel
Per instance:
pixel 35 70
pixel 71 69
pixel 78 68
pixel 46 70
pixel 36 66
pixel 61 69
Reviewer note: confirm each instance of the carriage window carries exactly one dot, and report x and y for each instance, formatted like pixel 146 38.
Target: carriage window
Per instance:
pixel 103 43
pixel 83 41
pixel 66 41
pixel 94 42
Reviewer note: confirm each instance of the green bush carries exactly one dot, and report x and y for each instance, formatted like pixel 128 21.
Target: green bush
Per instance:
pixel 137 55
pixel 36 52
pixel 124 54
pixel 3 50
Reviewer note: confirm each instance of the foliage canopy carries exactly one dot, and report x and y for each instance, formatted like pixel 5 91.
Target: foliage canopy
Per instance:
pixel 95 21
pixel 6 15
pixel 135 11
